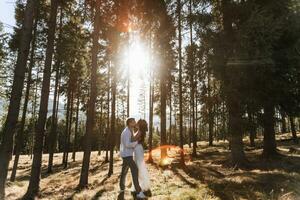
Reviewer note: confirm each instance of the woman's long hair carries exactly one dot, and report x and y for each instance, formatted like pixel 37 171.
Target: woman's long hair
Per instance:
pixel 143 128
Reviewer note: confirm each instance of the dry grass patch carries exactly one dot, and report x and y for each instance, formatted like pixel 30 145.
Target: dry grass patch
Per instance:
pixel 206 177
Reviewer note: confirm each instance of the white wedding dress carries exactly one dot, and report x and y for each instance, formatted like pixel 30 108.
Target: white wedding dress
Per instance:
pixel 144 179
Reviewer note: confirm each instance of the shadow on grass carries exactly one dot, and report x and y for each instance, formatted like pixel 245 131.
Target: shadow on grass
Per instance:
pixel 121 196
pixel 182 178
pixel 98 194
pixel 44 174
pixel 97 167
pixel 286 163
pixel 271 179
pixel 254 186
pixel 77 190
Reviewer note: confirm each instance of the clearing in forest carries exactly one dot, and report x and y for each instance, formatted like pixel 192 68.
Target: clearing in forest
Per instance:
pixel 207 177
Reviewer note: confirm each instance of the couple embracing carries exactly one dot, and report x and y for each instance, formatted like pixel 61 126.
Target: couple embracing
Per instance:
pixel 132 153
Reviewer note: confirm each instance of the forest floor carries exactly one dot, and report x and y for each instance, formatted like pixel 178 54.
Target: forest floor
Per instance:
pixel 206 177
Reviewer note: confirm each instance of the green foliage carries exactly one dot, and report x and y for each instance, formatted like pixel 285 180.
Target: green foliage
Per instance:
pixel 264 62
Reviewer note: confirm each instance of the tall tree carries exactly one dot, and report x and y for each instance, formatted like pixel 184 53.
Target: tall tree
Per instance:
pixel 210 109
pixel 293 129
pixel 16 93
pixel 108 131
pixel 191 63
pixel 269 130
pixel 68 124
pixel 231 85
pixel 20 133
pixel 151 103
pixel 164 38
pixel 76 124
pixel 92 98
pixel 112 120
pixel 179 7
pixel 53 131
pixel 34 182
pixel 163 106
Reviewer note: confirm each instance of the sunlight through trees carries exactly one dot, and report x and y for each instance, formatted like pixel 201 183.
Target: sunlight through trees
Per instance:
pixel 211 78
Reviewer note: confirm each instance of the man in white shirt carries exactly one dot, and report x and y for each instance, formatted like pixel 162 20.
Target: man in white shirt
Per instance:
pixel 126 152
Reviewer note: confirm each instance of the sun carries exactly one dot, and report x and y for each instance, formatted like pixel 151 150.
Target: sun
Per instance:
pixel 138 57
pixel 136 61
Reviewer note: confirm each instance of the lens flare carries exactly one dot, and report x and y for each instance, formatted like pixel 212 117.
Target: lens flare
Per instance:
pixel 173 154
pixel 165 161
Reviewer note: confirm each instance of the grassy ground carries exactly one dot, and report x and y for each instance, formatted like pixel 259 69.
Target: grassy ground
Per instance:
pixel 206 177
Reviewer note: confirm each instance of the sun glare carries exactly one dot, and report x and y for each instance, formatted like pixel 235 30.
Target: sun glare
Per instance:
pixel 136 60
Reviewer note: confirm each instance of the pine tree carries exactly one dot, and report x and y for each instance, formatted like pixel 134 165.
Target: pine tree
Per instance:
pixel 16 93
pixel 179 7
pixel 92 99
pixel 33 187
pixel 54 119
pixel 20 133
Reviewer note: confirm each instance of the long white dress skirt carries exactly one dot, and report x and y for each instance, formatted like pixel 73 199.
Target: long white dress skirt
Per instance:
pixel 144 179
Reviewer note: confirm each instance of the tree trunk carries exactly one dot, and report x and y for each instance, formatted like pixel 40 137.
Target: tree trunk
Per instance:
pixel 170 115
pixel 16 94
pixel 100 129
pixel 194 134
pixel 53 131
pixel 151 95
pixel 190 128
pixel 67 148
pixel 34 182
pixel 112 121
pixel 210 111
pixel 252 129
pixel 252 137
pixel 283 122
pixel 293 128
pixel 34 111
pixel 235 130
pixel 175 128
pixel 76 125
pixel 91 104
pixel 163 114
pixel 269 148
pixel 67 124
pixel 108 114
pixel 179 7
pixel 196 111
pixel 223 122
pixel 128 79
pixel 231 86
pixel 20 134
pixel 107 144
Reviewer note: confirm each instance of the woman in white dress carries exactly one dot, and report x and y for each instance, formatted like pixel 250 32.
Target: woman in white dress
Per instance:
pixel 144 179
